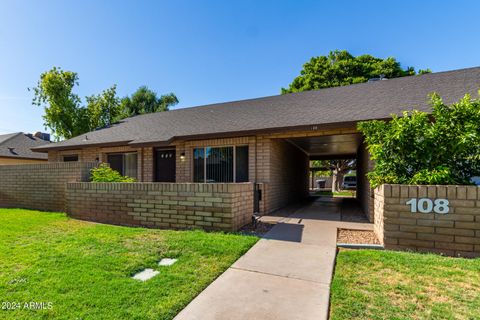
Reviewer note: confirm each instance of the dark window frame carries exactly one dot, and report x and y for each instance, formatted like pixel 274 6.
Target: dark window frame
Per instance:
pixel 234 166
pixel 70 158
pixel 122 171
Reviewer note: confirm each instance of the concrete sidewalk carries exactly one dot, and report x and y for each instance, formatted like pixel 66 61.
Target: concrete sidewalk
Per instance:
pixel 286 275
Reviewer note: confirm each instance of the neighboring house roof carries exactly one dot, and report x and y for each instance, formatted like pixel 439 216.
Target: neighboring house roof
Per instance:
pixel 19 145
pixel 336 106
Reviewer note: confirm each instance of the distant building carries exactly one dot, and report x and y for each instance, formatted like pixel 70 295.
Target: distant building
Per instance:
pixel 16 148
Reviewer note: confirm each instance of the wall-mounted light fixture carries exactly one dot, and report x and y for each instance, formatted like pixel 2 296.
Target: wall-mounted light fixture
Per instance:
pixel 182 156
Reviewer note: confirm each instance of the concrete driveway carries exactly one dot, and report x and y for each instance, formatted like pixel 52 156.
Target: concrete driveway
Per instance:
pixel 286 275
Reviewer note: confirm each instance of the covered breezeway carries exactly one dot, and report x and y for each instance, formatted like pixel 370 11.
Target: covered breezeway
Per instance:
pixel 302 150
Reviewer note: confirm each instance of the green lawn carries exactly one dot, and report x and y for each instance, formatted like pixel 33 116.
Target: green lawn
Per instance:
pixel 83 269
pixel 372 284
pixel 343 193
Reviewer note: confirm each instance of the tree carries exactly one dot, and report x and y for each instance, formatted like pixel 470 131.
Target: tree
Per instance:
pixel 63 112
pixel 340 68
pixel 145 100
pixel 336 168
pixel 67 118
pixel 339 169
pixel 103 109
pixel 417 148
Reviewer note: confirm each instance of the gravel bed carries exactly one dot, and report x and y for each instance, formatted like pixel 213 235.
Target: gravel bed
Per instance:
pixel 356 237
pixel 260 230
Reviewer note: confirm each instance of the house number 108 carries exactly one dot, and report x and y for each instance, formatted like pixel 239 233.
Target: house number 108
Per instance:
pixel 425 205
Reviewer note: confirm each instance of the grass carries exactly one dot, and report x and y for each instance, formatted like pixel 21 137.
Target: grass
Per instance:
pixel 372 284
pixel 343 193
pixel 83 269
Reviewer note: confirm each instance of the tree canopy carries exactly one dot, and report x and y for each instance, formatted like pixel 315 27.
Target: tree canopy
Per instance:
pixel 145 100
pixel 66 117
pixel 418 148
pixel 340 68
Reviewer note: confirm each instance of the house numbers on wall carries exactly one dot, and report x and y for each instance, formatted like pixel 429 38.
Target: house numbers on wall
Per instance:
pixel 426 205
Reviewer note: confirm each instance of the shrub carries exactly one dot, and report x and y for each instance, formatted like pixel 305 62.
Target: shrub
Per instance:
pixel 418 148
pixel 106 174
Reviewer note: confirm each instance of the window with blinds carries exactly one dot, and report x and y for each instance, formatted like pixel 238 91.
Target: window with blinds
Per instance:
pixel 124 163
pixel 220 164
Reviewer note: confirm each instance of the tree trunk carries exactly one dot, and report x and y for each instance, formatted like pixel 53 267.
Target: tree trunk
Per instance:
pixel 334 181
pixel 340 176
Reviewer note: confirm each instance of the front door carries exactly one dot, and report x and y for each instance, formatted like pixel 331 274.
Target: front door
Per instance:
pixel 165 165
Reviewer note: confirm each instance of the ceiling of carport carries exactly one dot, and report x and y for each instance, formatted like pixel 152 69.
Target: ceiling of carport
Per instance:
pixel 339 146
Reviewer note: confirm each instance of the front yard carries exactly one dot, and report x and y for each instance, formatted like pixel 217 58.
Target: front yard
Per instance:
pixel 397 285
pixel 73 269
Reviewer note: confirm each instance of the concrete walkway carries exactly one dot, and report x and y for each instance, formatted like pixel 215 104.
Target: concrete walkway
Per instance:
pixel 286 275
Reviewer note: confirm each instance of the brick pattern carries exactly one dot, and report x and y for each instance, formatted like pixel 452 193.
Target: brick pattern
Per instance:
pixel 39 186
pixel 280 168
pixel 288 175
pixel 456 233
pixel 163 205
pixel 14 161
pixel 364 192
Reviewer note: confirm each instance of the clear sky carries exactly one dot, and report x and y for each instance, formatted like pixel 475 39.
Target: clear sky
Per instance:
pixel 214 51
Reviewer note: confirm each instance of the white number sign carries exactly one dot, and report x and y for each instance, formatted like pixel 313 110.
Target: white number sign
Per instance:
pixel 426 205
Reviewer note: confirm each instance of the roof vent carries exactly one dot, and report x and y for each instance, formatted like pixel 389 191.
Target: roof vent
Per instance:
pixel 12 150
pixel 382 77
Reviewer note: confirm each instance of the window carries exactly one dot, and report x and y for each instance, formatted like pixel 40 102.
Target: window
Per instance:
pixel 220 164
pixel 241 164
pixel 125 163
pixel 70 158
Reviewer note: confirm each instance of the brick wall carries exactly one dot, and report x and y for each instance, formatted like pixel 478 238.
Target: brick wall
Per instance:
pixel 281 168
pixel 93 154
pixel 219 206
pixel 14 161
pixel 288 175
pixel 39 186
pixel 365 194
pixel 456 233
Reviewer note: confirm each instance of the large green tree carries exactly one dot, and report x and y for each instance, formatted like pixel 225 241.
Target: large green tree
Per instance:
pixel 145 100
pixel 64 114
pixel 66 117
pixel 340 68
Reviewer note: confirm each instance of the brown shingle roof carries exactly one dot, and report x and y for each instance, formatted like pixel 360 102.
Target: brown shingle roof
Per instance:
pixel 19 145
pixel 325 107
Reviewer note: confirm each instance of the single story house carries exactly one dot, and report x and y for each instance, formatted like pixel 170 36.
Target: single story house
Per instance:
pixel 268 141
pixel 16 148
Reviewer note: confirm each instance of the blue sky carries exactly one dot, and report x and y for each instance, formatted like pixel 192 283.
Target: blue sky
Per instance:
pixel 214 51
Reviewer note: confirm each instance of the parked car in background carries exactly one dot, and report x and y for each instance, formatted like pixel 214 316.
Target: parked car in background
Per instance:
pixel 349 183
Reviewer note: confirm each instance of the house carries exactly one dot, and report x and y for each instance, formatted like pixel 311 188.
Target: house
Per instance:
pixel 268 141
pixel 16 148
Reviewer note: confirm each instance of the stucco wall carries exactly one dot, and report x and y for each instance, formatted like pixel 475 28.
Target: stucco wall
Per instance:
pixel 455 233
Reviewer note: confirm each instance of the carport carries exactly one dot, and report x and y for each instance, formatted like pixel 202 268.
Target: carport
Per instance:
pixel 323 147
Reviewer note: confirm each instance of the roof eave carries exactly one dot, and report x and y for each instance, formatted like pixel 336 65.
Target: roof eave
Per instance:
pixel 80 146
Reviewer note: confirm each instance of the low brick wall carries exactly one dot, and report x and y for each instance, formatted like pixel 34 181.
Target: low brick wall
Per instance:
pixel 163 205
pixel 39 186
pixel 431 228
